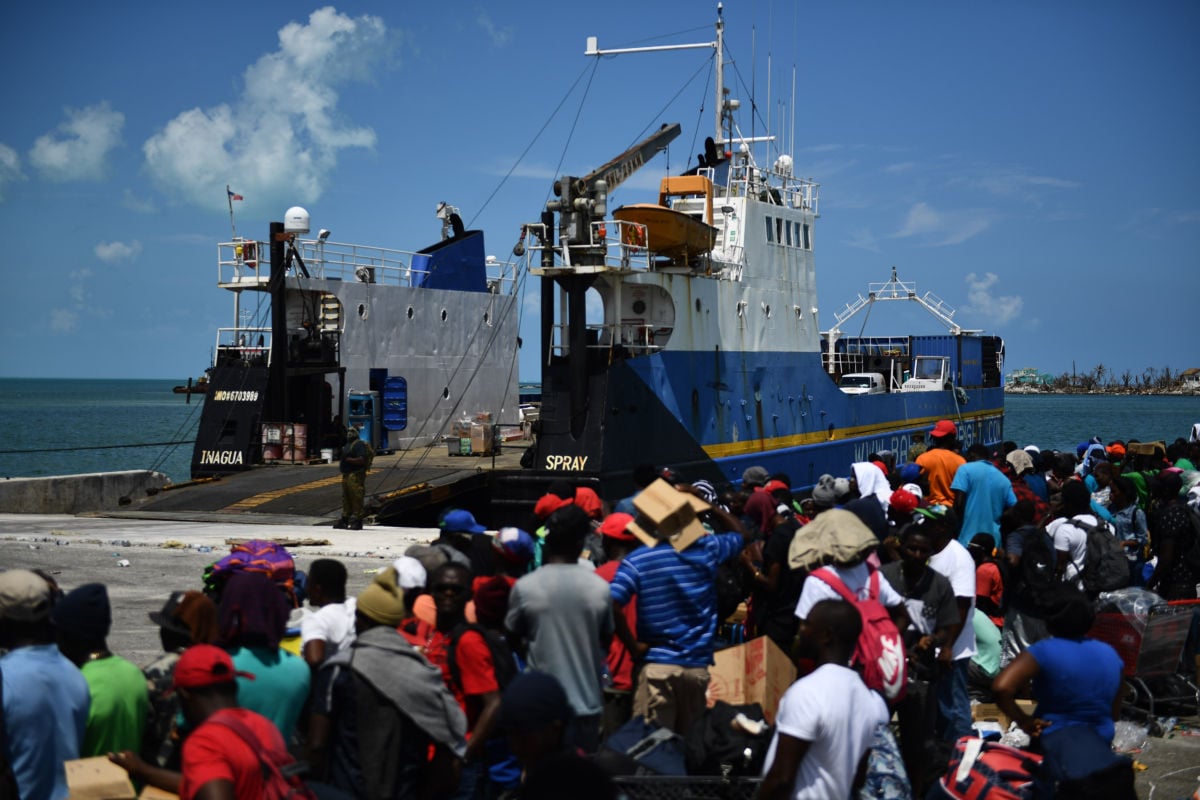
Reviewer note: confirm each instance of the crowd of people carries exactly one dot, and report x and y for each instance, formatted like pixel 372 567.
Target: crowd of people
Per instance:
pixel 497 664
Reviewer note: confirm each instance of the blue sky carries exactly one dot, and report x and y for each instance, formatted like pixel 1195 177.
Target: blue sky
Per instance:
pixel 1034 164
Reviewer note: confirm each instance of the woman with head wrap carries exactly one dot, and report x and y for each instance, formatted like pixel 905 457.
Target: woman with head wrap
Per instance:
pixel 251 621
pixel 870 480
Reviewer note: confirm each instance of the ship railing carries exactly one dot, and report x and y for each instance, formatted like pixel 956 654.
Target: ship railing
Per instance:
pixel 241 262
pixel 612 245
pixel 242 346
pixel 623 339
pixel 746 179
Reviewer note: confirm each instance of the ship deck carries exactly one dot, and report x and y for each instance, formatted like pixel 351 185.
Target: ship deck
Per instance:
pixel 405 487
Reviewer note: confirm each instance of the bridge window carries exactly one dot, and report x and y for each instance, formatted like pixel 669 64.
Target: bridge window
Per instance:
pixel 779 230
pixel 770 229
pixel 807 238
pixel 787 229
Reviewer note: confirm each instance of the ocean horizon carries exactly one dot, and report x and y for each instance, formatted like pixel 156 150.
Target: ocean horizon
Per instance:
pixel 60 426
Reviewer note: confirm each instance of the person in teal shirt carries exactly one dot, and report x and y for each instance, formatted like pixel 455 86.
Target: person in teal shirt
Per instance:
pixel 251 620
pixel 985 664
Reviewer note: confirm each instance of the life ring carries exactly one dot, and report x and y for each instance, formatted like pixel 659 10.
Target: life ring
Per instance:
pixel 635 235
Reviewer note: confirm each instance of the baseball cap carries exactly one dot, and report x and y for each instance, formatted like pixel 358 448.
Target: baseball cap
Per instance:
pixel 775 486
pixel 615 526
pixel 460 520
pixel 903 501
pixel 205 665
pixel 410 573
pixel 514 545
pixel 24 596
pixel 548 503
pixel 192 614
pixel 943 428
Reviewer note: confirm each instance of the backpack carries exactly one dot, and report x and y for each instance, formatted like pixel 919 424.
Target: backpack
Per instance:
pixel 1105 568
pixel 981 770
pixel 712 746
pixel 1033 579
pixel 642 748
pixel 880 650
pixel 256 555
pixel 280 772
pixel 503 663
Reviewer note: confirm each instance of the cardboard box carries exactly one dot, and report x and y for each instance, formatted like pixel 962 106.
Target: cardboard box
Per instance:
pixel 992 712
pixel 481 439
pixel 151 793
pixel 97 779
pixel 667 514
pixel 754 672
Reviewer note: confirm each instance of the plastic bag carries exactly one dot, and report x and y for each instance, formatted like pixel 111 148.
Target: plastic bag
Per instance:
pixel 1133 602
pixel 1130 737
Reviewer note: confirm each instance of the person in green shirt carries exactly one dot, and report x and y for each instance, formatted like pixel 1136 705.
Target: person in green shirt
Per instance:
pixel 985 664
pixel 120 699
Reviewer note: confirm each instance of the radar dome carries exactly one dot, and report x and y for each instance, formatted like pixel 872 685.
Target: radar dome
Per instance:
pixel 783 165
pixel 295 220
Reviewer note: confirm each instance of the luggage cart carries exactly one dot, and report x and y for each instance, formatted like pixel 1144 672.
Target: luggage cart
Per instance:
pixel 1151 656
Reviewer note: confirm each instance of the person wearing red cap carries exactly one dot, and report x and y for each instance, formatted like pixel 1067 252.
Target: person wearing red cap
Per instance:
pixel 940 462
pixel 618 542
pixel 223 755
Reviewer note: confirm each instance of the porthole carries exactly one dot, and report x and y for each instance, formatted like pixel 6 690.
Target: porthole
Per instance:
pixel 766 310
pixel 362 310
pixel 697 305
pixel 444 315
pixel 799 312
pixel 411 312
pixel 639 306
pixel 446 393
pixel 487 318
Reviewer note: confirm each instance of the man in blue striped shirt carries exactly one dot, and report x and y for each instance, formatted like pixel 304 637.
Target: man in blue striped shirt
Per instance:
pixel 676 597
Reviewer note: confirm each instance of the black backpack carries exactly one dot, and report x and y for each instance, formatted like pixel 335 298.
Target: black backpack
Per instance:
pixel 1033 578
pixel 1105 568
pixel 502 656
pixel 712 746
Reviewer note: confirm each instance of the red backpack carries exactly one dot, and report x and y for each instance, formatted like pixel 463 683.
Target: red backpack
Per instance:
pixel 880 650
pixel 280 772
pixel 980 770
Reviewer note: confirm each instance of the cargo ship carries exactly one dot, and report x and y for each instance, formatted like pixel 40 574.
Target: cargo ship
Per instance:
pixel 327 334
pixel 708 356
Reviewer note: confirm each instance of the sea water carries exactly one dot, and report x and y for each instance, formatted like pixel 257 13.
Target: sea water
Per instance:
pixel 65 427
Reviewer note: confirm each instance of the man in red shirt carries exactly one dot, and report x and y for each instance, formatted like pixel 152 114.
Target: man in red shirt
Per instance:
pixel 218 762
pixel 472 681
pixel 618 694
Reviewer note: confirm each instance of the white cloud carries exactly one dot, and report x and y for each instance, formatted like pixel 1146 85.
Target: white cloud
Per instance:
pixel 113 252
pixel 983 303
pixel 142 205
pixel 278 142
pixel 77 288
pixel 77 149
pixel 863 239
pixel 1009 183
pixel 943 228
pixel 500 36
pixel 63 320
pixel 10 167
pixel 898 168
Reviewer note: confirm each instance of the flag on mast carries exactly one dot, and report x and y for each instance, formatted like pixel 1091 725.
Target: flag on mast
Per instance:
pixel 230 194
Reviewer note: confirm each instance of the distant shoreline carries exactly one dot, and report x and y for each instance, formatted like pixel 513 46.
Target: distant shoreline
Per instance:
pixel 1116 392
